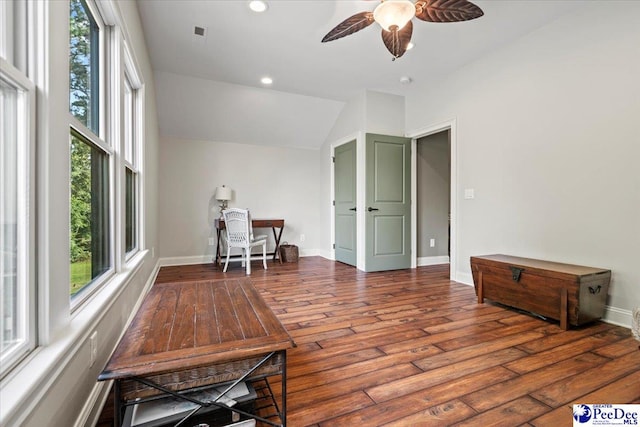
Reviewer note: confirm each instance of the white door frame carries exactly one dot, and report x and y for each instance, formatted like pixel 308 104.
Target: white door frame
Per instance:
pixel 360 195
pixel 415 135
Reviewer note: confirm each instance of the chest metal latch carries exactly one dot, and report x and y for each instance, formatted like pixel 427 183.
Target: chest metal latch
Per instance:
pixel 515 273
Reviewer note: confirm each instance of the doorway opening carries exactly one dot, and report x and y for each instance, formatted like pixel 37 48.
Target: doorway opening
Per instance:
pixel 443 228
pixel 433 201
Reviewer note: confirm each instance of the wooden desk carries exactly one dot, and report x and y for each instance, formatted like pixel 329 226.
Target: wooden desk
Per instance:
pixel 255 223
pixel 195 334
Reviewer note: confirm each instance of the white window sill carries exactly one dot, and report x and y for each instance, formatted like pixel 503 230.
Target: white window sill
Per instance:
pixel 21 389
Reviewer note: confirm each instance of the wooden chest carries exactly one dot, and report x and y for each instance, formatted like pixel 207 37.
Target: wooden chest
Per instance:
pixel 572 294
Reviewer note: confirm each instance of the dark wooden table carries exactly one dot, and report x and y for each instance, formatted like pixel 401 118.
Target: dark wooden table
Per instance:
pixel 194 334
pixel 255 223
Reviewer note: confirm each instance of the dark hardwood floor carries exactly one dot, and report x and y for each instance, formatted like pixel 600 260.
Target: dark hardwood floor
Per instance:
pixel 412 348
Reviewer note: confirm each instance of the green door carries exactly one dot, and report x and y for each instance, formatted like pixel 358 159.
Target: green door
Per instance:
pixel 388 204
pixel 345 202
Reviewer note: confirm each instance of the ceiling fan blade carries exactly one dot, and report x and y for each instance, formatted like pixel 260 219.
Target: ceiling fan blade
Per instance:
pixel 349 26
pixel 397 41
pixel 447 10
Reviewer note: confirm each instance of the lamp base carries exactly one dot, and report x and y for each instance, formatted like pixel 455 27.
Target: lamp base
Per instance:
pixel 223 206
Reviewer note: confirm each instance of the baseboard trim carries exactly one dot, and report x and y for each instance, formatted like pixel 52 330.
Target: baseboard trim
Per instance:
pixel 465 278
pixel 206 259
pixel 185 260
pixel 152 278
pixel 92 409
pixel 618 316
pixel 326 254
pixel 432 260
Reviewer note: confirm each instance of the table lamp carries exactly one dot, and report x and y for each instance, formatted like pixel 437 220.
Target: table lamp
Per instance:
pixel 223 195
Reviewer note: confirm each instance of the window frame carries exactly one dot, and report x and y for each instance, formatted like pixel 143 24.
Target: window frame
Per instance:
pixel 26 228
pixel 128 253
pixel 132 147
pixel 106 187
pixel 107 70
pixel 97 77
pixel 7 33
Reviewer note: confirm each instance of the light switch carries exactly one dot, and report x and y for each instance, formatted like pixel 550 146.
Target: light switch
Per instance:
pixel 469 193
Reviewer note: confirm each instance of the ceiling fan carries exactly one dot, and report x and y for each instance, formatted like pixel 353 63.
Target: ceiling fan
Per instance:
pixel 394 16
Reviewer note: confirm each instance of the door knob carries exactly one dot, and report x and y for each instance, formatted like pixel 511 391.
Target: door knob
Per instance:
pixel 352 209
pixel 370 209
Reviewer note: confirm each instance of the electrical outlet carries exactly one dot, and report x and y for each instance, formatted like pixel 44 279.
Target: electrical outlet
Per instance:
pixel 93 348
pixel 432 243
pixel 469 193
pixel 211 241
pixel 302 238
pixel 153 252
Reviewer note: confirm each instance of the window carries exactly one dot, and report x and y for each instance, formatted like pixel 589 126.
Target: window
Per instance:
pixel 17 230
pixel 131 202
pixel 132 127
pixel 130 175
pixel 90 254
pixel 84 66
pixel 129 119
pixel 6 31
pixel 90 155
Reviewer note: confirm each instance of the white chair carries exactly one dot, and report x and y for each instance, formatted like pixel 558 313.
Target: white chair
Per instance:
pixel 238 234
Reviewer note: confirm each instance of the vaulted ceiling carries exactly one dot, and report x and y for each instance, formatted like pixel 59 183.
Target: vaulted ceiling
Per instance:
pixel 240 46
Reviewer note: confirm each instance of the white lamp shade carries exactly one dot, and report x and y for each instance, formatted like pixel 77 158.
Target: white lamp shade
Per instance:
pixel 223 193
pixel 392 13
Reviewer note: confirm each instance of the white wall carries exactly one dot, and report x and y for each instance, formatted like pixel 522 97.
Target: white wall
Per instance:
pixel 384 113
pixel 548 136
pixel 368 112
pixel 273 182
pixel 351 119
pixel 206 110
pixel 55 386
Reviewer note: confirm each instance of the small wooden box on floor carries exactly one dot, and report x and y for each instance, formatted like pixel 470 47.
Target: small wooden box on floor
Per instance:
pixel 572 294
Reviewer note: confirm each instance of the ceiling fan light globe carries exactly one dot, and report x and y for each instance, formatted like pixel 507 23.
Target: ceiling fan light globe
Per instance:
pixel 394 13
pixel 258 6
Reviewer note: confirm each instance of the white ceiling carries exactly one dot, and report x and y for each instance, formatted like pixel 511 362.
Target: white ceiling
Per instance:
pixel 241 46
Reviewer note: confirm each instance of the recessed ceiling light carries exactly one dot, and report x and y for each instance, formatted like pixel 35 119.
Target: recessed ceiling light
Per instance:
pixel 266 80
pixel 405 80
pixel 258 5
pixel 410 46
